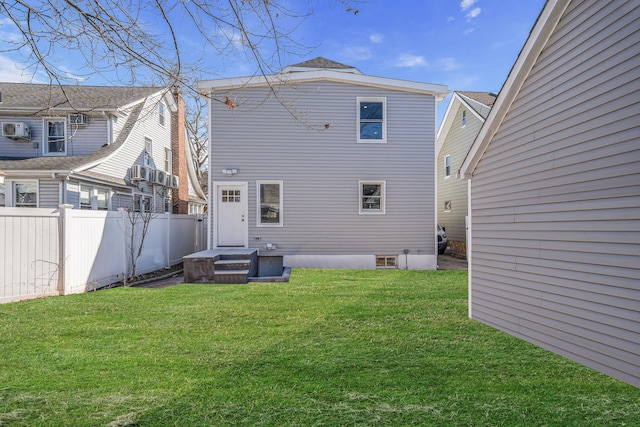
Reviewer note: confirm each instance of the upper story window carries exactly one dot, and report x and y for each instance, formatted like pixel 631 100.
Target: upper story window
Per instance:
pixel 55 136
pixel 167 160
pixel 372 124
pixel 161 113
pixel 464 118
pixel 148 147
pixel 269 203
pixel 372 197
pixel 447 166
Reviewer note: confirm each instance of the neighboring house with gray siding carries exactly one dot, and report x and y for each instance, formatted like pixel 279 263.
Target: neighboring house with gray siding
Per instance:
pixel 324 166
pixel 462 121
pixel 89 146
pixel 555 190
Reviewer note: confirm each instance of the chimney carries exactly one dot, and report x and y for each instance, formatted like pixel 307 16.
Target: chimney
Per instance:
pixel 180 195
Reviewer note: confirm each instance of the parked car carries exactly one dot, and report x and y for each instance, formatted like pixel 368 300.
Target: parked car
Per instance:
pixel 442 240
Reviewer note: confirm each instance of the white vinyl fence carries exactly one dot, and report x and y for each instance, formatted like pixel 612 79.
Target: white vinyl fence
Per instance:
pixel 45 252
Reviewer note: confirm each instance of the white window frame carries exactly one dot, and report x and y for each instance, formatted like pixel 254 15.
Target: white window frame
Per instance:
pixel 386 265
pixel 3 192
pixel 464 118
pixel 168 160
pixel 383 198
pixel 93 197
pixel 45 136
pixel 447 164
pixel 383 100
pixel 161 114
pixel 138 202
pixel 258 203
pixel 10 197
pixel 148 152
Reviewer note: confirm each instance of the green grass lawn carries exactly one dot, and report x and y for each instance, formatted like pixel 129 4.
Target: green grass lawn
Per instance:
pixel 329 348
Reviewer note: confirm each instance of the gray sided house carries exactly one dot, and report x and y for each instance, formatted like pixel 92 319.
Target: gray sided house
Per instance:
pixel 555 190
pixel 324 166
pixel 97 148
pixel 462 121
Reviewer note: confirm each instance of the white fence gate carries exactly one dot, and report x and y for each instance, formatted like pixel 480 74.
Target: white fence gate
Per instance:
pixel 45 252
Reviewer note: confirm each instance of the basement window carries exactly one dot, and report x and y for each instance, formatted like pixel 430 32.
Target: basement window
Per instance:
pixel 386 261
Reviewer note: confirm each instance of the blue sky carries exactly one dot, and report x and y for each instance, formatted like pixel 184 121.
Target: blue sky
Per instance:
pixel 464 44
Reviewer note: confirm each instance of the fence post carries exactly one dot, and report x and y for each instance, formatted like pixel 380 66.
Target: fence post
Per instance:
pixel 65 226
pixel 168 239
pixel 124 245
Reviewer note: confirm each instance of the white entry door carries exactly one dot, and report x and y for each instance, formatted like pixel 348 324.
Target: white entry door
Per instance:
pixel 232 212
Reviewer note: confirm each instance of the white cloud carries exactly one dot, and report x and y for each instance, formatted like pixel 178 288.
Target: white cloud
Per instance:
pixel 356 53
pixel 450 19
pixel 448 64
pixel 376 38
pixel 12 71
pixel 466 4
pixel 473 13
pixel 468 31
pixel 407 61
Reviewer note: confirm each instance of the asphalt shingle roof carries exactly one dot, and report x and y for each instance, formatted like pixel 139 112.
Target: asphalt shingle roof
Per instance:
pixel 74 162
pixel 485 98
pixel 42 97
pixel 321 62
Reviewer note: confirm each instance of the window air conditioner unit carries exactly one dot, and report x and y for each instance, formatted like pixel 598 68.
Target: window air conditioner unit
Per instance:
pixel 159 177
pixel 172 181
pixel 140 173
pixel 78 119
pixel 16 130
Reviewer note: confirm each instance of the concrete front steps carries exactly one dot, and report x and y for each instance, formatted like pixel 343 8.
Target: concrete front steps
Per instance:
pixel 229 266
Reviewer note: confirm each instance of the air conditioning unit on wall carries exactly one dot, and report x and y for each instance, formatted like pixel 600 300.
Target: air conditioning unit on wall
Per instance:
pixel 159 177
pixel 172 181
pixel 16 130
pixel 78 119
pixel 140 173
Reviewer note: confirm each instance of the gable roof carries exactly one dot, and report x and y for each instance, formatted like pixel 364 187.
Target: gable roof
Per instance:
pixel 205 87
pixel 319 63
pixel 44 97
pixel 479 103
pixel 538 38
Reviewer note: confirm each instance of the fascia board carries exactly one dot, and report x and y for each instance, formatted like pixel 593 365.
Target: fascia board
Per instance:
pixel 439 91
pixel 538 38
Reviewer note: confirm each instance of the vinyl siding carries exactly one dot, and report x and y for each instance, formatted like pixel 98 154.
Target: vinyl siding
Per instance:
pixel 457 144
pixel 320 166
pixel 81 140
pixel 556 197
pixel 49 194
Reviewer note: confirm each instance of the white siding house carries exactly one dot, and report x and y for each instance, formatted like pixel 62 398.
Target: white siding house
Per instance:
pixel 79 145
pixel 462 121
pixel 324 166
pixel 555 190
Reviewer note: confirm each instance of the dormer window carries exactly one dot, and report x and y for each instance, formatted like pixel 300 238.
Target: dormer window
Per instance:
pixel 55 136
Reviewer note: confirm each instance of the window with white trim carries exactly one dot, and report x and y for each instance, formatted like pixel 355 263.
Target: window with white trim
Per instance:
pixel 447 166
pixel 464 118
pixel 161 113
pixel 386 261
pixel 372 197
pixel 372 124
pixel 167 160
pixel 148 147
pixel 3 201
pixel 94 198
pixel 141 203
pixel 25 194
pixel 55 136
pixel 269 203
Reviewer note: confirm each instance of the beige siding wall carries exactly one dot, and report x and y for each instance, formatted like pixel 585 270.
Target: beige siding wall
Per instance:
pixel 320 167
pixel 556 197
pixel 457 144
